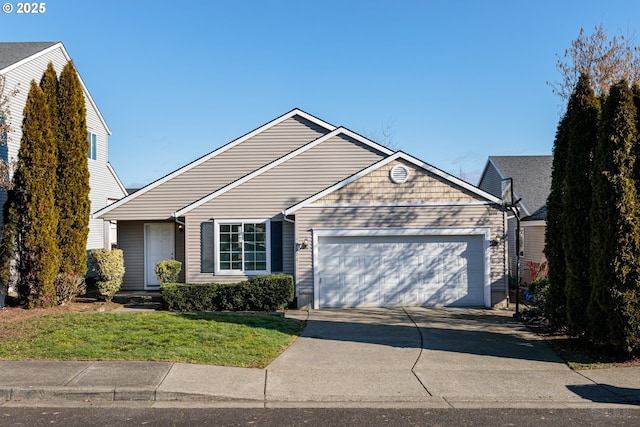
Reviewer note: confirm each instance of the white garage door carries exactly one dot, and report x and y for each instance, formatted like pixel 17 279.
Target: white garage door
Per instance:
pixel 386 271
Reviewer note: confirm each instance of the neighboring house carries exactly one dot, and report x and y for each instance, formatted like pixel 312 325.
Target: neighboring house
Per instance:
pixel 22 62
pixel 531 183
pixel 355 223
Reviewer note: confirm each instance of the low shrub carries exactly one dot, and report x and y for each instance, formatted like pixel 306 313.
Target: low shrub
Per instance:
pixel 168 270
pixel 261 293
pixel 109 268
pixel 68 286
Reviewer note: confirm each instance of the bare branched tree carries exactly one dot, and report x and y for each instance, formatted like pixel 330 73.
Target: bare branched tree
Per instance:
pixel 386 135
pixel 605 60
pixel 7 166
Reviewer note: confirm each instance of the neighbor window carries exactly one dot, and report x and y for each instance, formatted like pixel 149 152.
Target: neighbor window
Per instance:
pixel 93 146
pixel 243 246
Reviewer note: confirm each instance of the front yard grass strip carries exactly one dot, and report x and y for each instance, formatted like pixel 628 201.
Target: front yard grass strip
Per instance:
pixel 206 338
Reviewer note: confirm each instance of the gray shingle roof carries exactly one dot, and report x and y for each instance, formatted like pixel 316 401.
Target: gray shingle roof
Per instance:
pixel 12 52
pixel 531 179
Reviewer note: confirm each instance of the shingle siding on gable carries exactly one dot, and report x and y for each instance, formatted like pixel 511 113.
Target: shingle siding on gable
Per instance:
pixel 228 166
pixel 377 187
pixel 103 184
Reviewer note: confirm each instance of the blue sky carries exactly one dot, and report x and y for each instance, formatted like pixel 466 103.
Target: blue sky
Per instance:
pixel 456 81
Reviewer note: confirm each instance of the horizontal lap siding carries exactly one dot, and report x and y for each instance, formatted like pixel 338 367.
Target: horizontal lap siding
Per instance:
pixel 224 168
pixel 131 241
pixel 267 195
pixel 491 182
pixel 533 248
pixel 399 217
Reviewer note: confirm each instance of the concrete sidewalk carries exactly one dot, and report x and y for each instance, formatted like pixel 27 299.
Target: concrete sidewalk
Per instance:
pixel 439 358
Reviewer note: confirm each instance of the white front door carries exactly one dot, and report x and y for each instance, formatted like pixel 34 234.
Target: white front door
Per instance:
pixel 158 246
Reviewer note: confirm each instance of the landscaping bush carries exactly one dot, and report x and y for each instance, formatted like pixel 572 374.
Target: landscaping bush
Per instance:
pixel 68 286
pixel 109 267
pixel 168 270
pixel 261 293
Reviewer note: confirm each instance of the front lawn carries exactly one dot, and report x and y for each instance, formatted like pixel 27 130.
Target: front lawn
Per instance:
pixel 217 339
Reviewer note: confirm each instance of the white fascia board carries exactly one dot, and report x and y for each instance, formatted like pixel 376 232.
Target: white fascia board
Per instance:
pixel 218 151
pixel 398 155
pixel 258 172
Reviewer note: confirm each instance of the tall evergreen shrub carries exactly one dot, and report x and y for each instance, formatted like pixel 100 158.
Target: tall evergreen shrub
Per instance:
pixel 582 112
pixel 36 216
pixel 615 229
pixel 72 192
pixel 556 303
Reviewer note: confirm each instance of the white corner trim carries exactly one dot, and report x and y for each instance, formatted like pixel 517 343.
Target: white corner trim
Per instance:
pixel 483 232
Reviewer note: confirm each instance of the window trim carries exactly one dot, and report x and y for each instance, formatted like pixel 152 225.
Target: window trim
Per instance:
pixel 242 221
pixel 92 154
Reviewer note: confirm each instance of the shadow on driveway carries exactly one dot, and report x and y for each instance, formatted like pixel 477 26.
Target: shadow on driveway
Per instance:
pixel 467 331
pixel 605 393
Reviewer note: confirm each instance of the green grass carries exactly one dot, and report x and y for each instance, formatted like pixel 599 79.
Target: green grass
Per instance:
pixel 217 339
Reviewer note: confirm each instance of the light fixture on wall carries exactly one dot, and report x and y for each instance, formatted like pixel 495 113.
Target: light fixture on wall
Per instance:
pixel 180 228
pixel 304 244
pixel 498 239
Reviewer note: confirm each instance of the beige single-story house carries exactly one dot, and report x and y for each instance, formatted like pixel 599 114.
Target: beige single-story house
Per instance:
pixel 355 223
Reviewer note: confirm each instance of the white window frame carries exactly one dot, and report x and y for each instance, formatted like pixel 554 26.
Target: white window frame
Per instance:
pixel 92 154
pixel 242 221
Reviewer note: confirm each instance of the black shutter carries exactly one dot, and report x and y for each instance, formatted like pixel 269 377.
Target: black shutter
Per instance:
pixel 276 246
pixel 207 248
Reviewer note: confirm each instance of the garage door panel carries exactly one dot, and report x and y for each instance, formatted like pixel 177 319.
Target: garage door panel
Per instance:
pixel 372 271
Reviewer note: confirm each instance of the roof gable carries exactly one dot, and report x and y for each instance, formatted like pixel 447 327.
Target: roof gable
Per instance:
pixel 398 156
pixel 16 54
pixel 238 152
pixel 339 132
pixel 531 178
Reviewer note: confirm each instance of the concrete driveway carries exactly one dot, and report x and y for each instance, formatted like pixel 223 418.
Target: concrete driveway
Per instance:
pixel 472 357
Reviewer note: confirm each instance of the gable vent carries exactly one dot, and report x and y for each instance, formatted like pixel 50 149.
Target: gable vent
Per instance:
pixel 399 174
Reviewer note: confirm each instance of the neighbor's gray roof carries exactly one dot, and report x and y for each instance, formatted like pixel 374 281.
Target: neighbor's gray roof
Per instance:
pixel 531 178
pixel 12 52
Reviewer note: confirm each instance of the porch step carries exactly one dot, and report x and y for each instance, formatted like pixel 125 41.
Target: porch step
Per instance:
pixel 138 298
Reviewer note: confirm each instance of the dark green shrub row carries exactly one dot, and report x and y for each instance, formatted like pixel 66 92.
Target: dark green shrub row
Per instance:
pixel 261 293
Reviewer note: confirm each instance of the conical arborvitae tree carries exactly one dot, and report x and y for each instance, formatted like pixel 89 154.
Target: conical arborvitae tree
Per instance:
pixel 37 218
pixel 582 113
pixel 615 236
pixel 72 194
pixel 556 303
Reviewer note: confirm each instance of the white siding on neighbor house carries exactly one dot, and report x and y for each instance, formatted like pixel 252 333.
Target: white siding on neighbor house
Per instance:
pixel 267 195
pixel 104 185
pixel 228 166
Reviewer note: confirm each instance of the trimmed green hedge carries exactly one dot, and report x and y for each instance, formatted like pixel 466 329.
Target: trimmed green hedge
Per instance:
pixel 261 293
